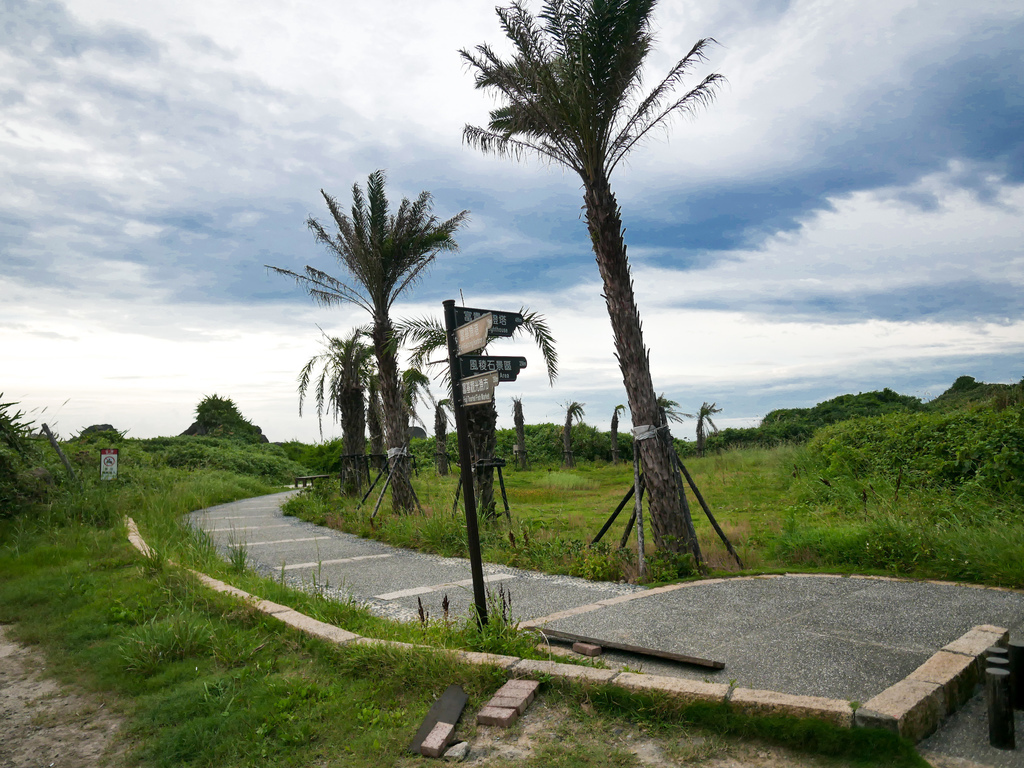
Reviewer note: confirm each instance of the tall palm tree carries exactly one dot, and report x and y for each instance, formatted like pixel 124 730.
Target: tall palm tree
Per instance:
pixel 520 425
pixel 670 410
pixel 427 335
pixel 615 432
pixel 373 422
pixel 572 93
pixel 573 415
pixel 341 388
pixel 441 410
pixel 384 253
pixel 704 421
pixel 415 392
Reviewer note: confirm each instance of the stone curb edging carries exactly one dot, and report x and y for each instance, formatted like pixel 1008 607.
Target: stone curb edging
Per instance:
pixel 912 708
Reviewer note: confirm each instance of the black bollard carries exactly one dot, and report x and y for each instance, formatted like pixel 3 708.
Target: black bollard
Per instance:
pixel 998 662
pixel 1000 713
pixel 1017 673
pixel 996 651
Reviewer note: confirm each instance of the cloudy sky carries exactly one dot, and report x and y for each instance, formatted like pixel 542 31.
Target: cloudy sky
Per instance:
pixel 846 216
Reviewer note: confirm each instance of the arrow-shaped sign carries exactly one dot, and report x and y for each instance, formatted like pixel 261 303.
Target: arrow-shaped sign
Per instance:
pixel 507 367
pixel 479 389
pixel 502 323
pixel 473 335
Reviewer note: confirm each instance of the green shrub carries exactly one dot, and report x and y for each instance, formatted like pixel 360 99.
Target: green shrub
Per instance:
pixel 18 456
pixel 981 448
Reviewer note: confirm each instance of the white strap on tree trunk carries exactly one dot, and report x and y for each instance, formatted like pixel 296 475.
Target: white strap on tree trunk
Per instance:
pixel 395 452
pixel 645 432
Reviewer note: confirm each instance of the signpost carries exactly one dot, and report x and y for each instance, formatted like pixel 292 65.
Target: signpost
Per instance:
pixel 474 378
pixel 502 323
pixel 473 335
pixel 479 390
pixel 507 368
pixel 108 464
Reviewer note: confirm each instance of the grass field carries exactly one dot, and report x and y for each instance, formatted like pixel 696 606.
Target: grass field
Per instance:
pixel 781 509
pixel 201 680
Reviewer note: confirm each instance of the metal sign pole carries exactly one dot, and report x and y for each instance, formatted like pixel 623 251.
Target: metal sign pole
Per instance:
pixel 466 465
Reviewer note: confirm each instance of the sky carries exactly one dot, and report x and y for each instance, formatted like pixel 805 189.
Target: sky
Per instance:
pixel 845 216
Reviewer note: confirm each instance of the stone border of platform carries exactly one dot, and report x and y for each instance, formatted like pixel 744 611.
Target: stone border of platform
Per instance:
pixel 913 708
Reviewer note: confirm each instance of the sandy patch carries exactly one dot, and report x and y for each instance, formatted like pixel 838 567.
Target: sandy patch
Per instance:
pixel 44 724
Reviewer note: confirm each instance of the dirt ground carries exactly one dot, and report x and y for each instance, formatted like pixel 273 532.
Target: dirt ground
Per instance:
pixel 544 724
pixel 44 725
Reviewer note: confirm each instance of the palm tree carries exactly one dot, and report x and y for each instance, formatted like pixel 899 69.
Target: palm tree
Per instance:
pixel 520 424
pixel 670 410
pixel 385 253
pixel 373 421
pixel 441 410
pixel 573 415
pixel 427 335
pixel 415 392
pixel 615 432
pixel 572 94
pixel 703 417
pixel 341 388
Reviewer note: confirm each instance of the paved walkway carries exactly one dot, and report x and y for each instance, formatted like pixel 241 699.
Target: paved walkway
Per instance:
pixel 842 638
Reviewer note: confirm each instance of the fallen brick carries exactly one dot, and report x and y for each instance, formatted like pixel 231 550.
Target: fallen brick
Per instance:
pixel 587 649
pixel 518 703
pixel 438 739
pixel 496 716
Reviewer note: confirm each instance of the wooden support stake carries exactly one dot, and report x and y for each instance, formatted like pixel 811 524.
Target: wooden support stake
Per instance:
pixel 1000 711
pixel 380 498
pixel 707 511
pixel 63 458
pixel 641 561
pixel 504 496
pixel 610 520
pixel 606 644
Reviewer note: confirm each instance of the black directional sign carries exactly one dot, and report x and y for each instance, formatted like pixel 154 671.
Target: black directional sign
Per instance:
pixel 507 367
pixel 503 323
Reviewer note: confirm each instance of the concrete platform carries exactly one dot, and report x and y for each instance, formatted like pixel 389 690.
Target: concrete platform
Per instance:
pixel 841 638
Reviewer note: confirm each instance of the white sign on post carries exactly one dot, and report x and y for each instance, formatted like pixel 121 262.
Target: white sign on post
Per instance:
pixel 108 464
pixel 473 335
pixel 479 390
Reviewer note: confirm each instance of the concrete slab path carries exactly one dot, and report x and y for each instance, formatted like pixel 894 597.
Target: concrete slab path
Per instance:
pixel 846 638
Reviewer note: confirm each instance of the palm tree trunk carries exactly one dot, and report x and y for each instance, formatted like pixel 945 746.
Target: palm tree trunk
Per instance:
pixel 615 437
pixel 567 458
pixel 517 417
pixel 396 430
pixel 353 429
pixel 482 421
pixel 373 426
pixel 669 522
pixel 441 441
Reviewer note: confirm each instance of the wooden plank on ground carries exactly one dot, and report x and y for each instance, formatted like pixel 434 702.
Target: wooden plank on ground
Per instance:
pixel 683 659
pixel 447 709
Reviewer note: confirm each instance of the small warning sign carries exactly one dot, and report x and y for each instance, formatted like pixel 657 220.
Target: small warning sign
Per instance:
pixel 108 464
